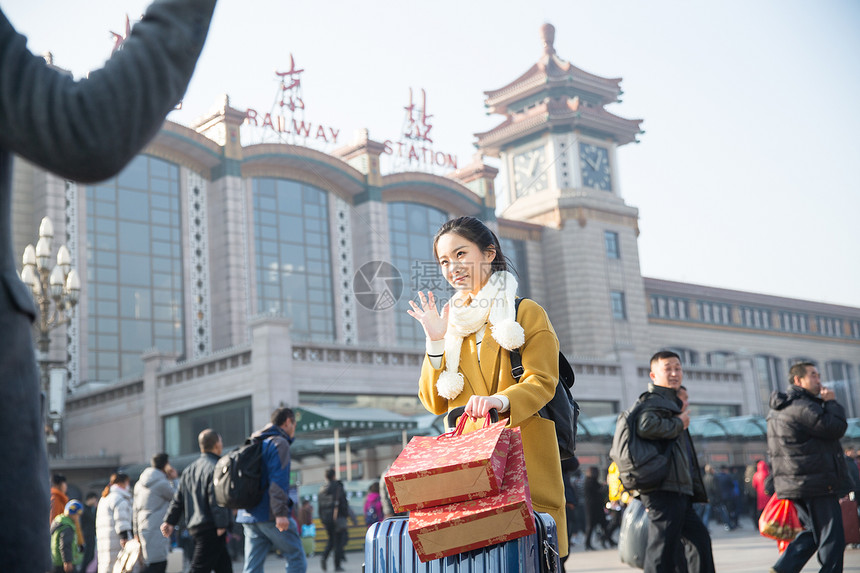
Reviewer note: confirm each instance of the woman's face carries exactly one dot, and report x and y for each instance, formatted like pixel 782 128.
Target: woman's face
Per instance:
pixel 465 266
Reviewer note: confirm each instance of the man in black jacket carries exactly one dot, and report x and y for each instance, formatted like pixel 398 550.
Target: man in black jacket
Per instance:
pixel 207 521
pixel 671 517
pixel 803 430
pixel 85 130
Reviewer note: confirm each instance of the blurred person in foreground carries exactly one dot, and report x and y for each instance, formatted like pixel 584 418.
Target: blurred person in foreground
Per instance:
pixel 87 131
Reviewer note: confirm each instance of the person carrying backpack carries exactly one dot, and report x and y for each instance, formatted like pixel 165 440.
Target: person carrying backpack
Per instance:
pixel 333 509
pixel 373 505
pixel 469 343
pixel 662 417
pixel 66 554
pixel 270 524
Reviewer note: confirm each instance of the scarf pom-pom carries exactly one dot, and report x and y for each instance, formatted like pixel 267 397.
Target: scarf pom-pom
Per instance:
pixel 509 334
pixel 449 385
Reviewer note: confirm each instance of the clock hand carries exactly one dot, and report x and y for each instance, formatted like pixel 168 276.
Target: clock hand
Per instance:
pixel 533 165
pixel 591 163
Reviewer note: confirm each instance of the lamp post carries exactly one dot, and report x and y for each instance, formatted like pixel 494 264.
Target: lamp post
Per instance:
pixel 56 293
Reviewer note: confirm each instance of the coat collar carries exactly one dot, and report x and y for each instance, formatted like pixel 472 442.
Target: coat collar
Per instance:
pixel 470 367
pixel 668 394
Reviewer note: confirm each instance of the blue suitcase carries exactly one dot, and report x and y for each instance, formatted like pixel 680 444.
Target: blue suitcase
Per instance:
pixel 388 549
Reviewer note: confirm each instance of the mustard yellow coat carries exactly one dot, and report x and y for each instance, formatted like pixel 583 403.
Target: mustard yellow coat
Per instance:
pixel 535 388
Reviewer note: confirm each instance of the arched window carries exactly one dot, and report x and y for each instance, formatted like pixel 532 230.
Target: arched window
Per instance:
pixel 134 268
pixel 719 359
pixel 840 377
pixel 769 372
pixel 293 256
pixel 688 357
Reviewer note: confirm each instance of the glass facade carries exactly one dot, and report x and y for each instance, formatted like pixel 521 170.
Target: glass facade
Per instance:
pixel 231 419
pixel 293 256
pixel 134 268
pixel 515 251
pixel 411 230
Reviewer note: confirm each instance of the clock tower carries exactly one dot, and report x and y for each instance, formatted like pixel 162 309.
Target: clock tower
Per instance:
pixel 557 144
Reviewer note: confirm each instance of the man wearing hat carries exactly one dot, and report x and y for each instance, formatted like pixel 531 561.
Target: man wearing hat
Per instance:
pixel 66 554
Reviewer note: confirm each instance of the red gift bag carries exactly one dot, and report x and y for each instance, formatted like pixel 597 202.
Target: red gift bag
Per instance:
pixel 452 467
pixel 779 520
pixel 450 529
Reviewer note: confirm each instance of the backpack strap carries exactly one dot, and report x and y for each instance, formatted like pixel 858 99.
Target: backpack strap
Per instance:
pixel 517 369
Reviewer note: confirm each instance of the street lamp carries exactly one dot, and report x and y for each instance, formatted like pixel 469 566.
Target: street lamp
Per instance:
pixel 56 292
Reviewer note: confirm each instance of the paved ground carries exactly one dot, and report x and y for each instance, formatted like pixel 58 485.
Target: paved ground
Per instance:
pixel 739 551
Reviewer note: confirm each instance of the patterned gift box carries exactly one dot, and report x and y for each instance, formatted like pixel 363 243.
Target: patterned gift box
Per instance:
pixel 442 531
pixel 444 469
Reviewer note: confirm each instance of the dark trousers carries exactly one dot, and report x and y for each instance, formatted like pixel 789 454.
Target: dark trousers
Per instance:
pixel 337 538
pixel 823 532
pixel 595 521
pixel 210 552
pixel 157 567
pixel 671 519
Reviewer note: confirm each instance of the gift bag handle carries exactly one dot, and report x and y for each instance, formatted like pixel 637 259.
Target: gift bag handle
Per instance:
pixel 459 411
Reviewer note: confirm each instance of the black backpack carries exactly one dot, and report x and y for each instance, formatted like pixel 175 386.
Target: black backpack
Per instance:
pixel 642 464
pixel 238 476
pixel 562 408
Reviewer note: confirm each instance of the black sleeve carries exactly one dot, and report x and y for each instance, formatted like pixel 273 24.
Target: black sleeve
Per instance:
pixel 68 538
pixel 177 506
pixel 88 130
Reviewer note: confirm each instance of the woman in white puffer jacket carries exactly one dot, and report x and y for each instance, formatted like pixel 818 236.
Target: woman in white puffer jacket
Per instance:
pixel 113 520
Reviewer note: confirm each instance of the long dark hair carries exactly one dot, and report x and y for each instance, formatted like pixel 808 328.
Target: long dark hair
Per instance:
pixel 476 231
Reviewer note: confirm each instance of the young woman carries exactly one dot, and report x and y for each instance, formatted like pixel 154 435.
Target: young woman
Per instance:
pixel 468 353
pixel 113 520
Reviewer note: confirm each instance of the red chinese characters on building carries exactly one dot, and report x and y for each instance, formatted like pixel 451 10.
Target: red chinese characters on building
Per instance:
pixel 417 120
pixel 118 39
pixel 287 115
pixel 291 92
pixel 415 143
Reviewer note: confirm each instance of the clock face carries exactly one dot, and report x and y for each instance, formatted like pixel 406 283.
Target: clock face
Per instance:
pixel 594 163
pixel 530 172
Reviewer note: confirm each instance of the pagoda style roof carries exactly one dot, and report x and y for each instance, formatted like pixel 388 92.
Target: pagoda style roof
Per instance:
pixel 554 114
pixel 554 94
pixel 551 73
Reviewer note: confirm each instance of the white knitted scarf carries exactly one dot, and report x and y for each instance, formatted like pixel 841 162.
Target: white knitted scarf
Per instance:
pixel 496 302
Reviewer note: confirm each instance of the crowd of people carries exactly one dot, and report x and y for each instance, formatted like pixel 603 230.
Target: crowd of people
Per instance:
pixel 91 537
pixel 807 466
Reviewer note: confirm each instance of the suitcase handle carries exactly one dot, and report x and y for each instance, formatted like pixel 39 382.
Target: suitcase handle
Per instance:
pixel 460 410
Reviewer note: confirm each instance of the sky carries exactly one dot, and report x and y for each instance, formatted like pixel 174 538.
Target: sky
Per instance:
pixel 747 176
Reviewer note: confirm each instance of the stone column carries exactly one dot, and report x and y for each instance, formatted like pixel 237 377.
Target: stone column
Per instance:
pixel 152 430
pixel 271 381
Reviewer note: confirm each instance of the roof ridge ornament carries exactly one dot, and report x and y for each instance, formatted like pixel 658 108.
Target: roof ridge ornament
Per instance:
pixel 547 32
